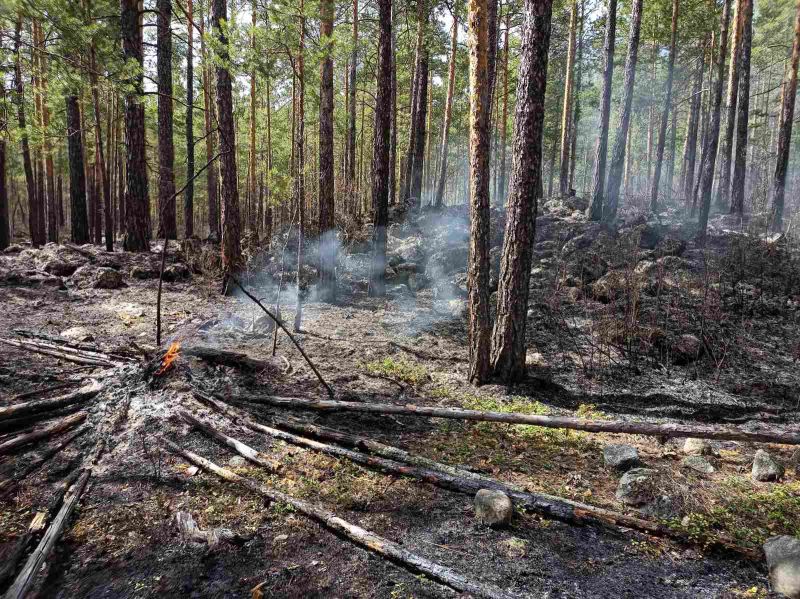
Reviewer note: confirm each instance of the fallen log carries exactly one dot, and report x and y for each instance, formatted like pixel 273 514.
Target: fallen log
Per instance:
pixel 361 537
pixel 35 392
pixel 189 530
pixel 26 577
pixel 10 483
pixel 279 322
pixel 62 352
pixel 38 523
pixel 226 357
pixel 256 457
pixel 42 433
pixel 463 481
pixel 664 430
pixel 45 405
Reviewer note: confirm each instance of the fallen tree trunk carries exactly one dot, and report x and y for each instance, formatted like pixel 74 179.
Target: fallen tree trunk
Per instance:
pixel 227 358
pixel 10 483
pixel 462 481
pixel 364 538
pixel 35 392
pixel 45 405
pixel 68 354
pixel 664 430
pixel 254 456
pixel 38 523
pixel 25 423
pixel 25 579
pixel 42 433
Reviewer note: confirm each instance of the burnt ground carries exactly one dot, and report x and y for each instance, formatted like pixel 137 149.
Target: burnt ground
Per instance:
pixel 591 355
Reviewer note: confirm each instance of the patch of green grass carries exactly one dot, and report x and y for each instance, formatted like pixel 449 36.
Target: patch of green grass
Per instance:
pixel 747 513
pixel 589 411
pixel 399 369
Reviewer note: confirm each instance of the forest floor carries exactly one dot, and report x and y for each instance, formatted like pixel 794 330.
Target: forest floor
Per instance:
pixel 621 326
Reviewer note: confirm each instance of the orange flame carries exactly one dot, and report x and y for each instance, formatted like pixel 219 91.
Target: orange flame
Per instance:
pixel 169 358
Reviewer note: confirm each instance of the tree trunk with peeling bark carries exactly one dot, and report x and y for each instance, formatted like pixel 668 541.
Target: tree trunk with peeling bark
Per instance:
pixel 448 114
pixel 566 113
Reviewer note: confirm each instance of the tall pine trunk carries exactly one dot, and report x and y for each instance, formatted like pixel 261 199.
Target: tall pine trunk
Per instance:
pixel 30 185
pixel 595 210
pixel 167 226
pixel 742 111
pixel 566 113
pixel 380 151
pixel 350 170
pixel 508 343
pixel 231 229
pixel 723 186
pixel 327 224
pixel 785 131
pixel 77 176
pixel 300 177
pixel 212 171
pixel 393 135
pixel 252 217
pixel 188 196
pixel 618 154
pixel 478 266
pixel 662 131
pixel 137 200
pixel 690 142
pixel 5 235
pixel 448 114
pixel 712 139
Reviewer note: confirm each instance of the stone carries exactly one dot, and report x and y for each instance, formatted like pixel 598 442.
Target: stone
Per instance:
pixel 698 464
pixel 783 561
pixel 766 468
pixel 621 457
pixel 795 460
pixel 60 268
pixel 637 486
pixel 692 446
pixel 108 278
pixel 77 334
pixel 686 349
pixel 493 508
pixel 661 508
pixel 237 461
pixel 177 272
pixel 144 272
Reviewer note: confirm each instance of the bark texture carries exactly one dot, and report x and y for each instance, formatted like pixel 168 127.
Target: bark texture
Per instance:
pixel 327 224
pixel 380 150
pixel 742 111
pixel 137 200
pixel 231 231
pixel 167 226
pixel 566 112
pixel 508 350
pixel 448 114
pixel 479 176
pixel 188 194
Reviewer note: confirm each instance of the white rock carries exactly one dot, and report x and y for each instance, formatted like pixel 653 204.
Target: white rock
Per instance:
pixel 783 561
pixel 493 508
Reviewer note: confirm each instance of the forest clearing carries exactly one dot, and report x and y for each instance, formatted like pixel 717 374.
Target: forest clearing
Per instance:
pixel 495 298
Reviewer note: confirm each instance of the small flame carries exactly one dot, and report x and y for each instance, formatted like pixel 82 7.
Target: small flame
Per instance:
pixel 169 358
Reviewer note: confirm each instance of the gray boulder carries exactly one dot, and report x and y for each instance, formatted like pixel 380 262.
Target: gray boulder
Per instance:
pixel 686 349
pixel 177 272
pixel 766 468
pixel 144 272
pixel 661 508
pixel 698 464
pixel 637 487
pixel 621 457
pixel 783 561
pixel 694 446
pixel 60 268
pixel 493 508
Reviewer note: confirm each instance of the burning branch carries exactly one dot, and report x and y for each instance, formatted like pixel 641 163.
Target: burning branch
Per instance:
pixel 169 359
